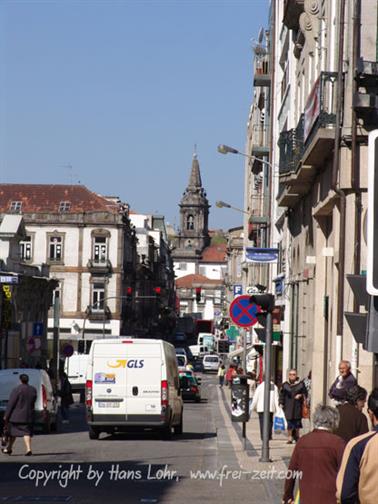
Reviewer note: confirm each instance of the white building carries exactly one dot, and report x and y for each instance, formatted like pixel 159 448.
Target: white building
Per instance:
pixel 89 246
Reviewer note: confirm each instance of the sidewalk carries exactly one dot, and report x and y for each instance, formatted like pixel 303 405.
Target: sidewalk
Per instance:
pixel 271 473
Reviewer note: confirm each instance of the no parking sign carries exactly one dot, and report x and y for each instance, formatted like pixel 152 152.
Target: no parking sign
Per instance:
pixel 243 312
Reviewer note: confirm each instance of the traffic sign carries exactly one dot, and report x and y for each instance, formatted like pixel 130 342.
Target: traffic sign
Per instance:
pixel 37 329
pixel 238 290
pixel 244 313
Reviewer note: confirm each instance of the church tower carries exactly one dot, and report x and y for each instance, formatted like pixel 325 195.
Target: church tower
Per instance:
pixel 194 215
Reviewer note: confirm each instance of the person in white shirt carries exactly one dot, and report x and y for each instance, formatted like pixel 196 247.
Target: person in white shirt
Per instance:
pixel 258 405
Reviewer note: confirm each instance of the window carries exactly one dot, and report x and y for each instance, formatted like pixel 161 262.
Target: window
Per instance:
pixel 190 222
pixel 202 270
pixel 100 249
pixel 98 296
pixel 15 206
pixel 64 206
pixel 183 266
pixel 26 249
pixel 55 248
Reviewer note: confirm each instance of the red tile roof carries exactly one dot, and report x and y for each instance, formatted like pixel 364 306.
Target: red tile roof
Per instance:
pixel 190 281
pixel 41 198
pixel 215 254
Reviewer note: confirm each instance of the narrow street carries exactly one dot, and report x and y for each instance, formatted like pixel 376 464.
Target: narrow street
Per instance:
pixel 134 468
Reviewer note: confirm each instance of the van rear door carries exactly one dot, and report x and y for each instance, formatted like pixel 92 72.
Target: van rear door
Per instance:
pixel 144 375
pixel 109 379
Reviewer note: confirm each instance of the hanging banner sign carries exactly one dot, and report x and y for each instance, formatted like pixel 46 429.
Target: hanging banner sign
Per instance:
pixel 261 255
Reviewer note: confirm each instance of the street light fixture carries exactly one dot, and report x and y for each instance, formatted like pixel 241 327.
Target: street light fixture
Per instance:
pixel 226 149
pixel 223 204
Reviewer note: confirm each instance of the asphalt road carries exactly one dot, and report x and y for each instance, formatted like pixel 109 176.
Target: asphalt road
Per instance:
pixel 133 468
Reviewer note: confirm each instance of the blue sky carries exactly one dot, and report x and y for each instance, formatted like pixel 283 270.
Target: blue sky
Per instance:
pixel 122 90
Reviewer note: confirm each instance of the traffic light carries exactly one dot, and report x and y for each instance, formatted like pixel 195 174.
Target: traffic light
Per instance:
pixel 265 301
pixel 129 294
pixel 198 294
pixel 223 346
pixel 157 291
pixel 372 215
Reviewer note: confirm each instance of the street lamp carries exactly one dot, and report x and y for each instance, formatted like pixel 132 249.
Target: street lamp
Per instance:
pixel 226 149
pixel 222 204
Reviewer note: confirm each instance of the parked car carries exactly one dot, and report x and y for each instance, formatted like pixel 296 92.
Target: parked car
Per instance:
pixel 133 383
pixel 210 362
pixel 190 388
pixel 46 407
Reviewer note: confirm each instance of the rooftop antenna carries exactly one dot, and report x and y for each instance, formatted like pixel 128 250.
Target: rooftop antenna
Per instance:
pixel 71 174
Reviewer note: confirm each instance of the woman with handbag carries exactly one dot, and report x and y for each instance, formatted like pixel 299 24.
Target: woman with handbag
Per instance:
pixel 292 396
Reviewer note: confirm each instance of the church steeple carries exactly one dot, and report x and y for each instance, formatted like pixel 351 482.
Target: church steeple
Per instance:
pixel 194 213
pixel 195 175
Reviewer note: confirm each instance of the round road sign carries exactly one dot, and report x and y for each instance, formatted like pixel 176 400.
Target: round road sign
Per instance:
pixel 243 312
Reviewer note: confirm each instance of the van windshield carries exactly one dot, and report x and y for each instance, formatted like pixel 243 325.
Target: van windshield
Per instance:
pixel 212 359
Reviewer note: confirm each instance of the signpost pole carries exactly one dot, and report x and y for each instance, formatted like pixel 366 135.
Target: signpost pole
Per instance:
pixel 267 367
pixel 245 372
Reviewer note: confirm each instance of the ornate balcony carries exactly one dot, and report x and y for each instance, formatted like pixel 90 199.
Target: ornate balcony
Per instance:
pixel 261 74
pixel 99 267
pixel 305 148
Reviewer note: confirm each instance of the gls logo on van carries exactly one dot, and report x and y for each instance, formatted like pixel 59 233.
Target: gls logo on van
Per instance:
pixel 130 363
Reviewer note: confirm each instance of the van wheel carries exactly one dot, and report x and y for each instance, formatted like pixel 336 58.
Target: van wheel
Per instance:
pixel 93 433
pixel 178 429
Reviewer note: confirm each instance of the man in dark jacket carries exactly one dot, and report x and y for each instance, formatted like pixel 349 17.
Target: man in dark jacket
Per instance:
pixel 344 381
pixel 352 421
pixel 19 414
pixel 316 460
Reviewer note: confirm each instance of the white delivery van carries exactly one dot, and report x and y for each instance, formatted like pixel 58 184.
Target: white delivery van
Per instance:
pixel 76 369
pixel 45 406
pixel 133 383
pixel 210 363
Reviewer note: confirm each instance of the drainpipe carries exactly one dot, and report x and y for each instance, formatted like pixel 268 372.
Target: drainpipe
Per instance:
pixel 272 97
pixel 355 175
pixel 334 185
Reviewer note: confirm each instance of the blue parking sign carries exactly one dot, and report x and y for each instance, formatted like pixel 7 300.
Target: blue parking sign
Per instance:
pixel 238 290
pixel 37 329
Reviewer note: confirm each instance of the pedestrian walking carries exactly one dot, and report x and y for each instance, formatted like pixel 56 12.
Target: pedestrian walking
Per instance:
pixel 352 421
pixel 357 480
pixel 292 395
pixel 345 380
pixel 19 415
pixel 258 405
pixel 230 374
pixel 66 398
pixel 316 460
pixel 221 374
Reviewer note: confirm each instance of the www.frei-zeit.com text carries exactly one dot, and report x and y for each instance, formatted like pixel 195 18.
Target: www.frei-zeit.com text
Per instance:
pixel 75 472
